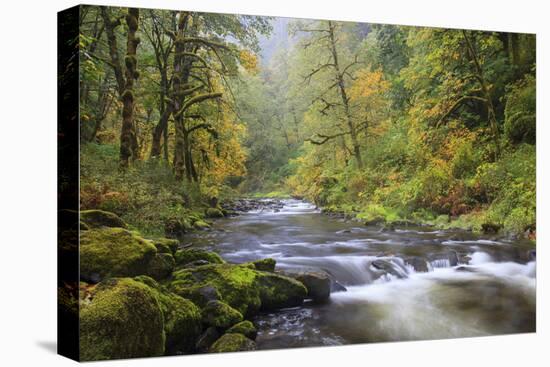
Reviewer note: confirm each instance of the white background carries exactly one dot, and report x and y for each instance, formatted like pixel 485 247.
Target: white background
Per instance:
pixel 28 182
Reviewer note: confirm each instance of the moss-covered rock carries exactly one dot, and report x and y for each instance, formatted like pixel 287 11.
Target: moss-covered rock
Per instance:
pixel 246 328
pixel 187 256
pixel 317 283
pixel 241 287
pixel 99 218
pixel 267 264
pixel 236 284
pixel 123 319
pixel 161 266
pixel 166 245
pixel 174 228
pixel 232 343
pixel 206 339
pixel 113 252
pixel 182 319
pixel 277 291
pixel 220 315
pixel 201 224
pixel 213 213
pixel 199 294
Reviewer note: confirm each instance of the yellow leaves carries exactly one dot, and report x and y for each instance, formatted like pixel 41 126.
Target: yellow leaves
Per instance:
pixel 368 84
pixel 249 61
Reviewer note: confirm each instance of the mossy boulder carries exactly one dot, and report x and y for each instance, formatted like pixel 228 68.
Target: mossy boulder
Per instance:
pixel 166 245
pixel 207 338
pixel 200 294
pixel 267 264
pixel 99 218
pixel 232 343
pixel 113 252
pixel 188 256
pixel 174 228
pixel 317 283
pixel 213 213
pixel 161 266
pixel 278 291
pixel 242 287
pixel 182 319
pixel 123 319
pixel 201 224
pixel 236 284
pixel 220 315
pixel 246 328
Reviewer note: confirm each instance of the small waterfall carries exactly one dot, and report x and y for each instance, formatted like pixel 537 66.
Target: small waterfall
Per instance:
pixel 353 270
pixel 440 263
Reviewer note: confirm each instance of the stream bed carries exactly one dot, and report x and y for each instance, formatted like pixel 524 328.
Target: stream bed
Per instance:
pixel 408 283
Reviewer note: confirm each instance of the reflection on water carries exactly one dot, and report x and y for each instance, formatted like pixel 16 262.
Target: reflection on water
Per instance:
pixel 408 284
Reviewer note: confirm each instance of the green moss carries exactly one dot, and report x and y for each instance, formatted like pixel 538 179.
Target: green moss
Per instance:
pixel 267 264
pixel 213 213
pixel 182 319
pixel 199 294
pixel 246 328
pixel 113 252
pixel 277 291
pixel 200 224
pixel 241 287
pixel 232 343
pixel 220 315
pixel 100 218
pixel 236 284
pixel 187 256
pixel 166 245
pixel 122 320
pixel 161 266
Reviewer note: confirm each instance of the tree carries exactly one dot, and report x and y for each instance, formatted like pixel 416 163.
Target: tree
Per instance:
pixel 323 35
pixel 125 76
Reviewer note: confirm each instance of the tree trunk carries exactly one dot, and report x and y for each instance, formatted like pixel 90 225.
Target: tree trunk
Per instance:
pixel 486 94
pixel 345 99
pixel 128 139
pixel 159 132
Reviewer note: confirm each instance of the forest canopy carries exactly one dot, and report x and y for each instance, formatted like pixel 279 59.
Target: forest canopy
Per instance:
pixel 180 110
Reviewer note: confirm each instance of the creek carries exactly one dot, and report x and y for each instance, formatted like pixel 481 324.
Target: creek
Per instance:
pixel 407 283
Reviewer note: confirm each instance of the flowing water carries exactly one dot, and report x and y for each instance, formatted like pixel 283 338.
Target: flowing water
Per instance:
pixel 425 284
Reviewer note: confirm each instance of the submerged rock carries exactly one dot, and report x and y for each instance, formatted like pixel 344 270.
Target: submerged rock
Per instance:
pixel 123 319
pixel 232 343
pixel 113 252
pixel 389 267
pixel 419 264
pixel 335 286
pixel 99 218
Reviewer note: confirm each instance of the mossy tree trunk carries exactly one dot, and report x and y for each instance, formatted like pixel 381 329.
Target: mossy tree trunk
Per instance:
pixel 187 46
pixel 125 76
pixel 129 149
